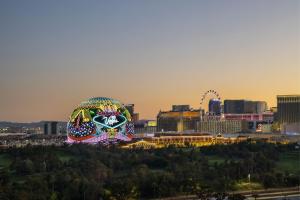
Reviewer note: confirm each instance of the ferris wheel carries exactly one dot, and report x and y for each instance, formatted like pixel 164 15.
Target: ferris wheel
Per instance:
pixel 207 93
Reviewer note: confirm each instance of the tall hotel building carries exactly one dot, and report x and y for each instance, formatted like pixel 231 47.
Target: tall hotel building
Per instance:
pixel 288 109
pixel 180 119
pixel 244 106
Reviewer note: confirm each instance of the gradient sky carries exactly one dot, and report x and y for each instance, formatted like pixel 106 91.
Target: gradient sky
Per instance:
pixel 55 54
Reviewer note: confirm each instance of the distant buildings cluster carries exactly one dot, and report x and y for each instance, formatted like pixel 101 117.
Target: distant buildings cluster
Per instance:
pixel 183 125
pixel 35 128
pixel 234 116
pixel 238 116
pixel 20 128
pixel 23 139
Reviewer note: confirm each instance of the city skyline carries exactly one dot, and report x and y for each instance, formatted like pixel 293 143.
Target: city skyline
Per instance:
pixel 151 53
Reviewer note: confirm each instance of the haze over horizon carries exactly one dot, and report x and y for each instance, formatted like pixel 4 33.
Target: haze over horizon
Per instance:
pixel 55 54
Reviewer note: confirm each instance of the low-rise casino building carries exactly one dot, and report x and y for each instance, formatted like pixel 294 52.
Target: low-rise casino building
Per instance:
pixel 160 140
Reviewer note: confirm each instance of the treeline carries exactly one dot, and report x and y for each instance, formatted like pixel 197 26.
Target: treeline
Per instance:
pixel 96 172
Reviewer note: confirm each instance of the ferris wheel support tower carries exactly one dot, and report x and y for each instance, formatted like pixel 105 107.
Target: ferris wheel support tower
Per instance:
pixel 203 97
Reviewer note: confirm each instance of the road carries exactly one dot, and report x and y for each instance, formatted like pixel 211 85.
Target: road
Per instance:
pixel 269 194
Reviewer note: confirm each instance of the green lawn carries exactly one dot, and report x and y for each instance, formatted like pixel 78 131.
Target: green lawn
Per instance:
pixel 289 162
pixel 64 156
pixel 215 159
pixel 245 185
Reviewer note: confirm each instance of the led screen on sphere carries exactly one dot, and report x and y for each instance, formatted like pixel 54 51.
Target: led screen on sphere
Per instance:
pixel 102 120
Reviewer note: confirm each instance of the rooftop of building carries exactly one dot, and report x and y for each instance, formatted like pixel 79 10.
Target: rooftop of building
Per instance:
pixel 289 95
pixel 193 113
pixel 181 134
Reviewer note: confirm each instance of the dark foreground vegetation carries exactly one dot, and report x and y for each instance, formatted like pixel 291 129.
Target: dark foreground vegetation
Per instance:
pixel 95 172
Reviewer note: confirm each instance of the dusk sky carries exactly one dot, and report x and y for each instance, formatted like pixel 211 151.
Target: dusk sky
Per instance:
pixel 55 54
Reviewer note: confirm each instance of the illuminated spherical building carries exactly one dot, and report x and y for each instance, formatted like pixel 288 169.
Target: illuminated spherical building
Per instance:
pixel 100 119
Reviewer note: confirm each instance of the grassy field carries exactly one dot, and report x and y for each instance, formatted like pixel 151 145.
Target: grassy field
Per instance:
pixel 215 159
pixel 289 162
pixel 64 156
pixel 5 160
pixel 245 185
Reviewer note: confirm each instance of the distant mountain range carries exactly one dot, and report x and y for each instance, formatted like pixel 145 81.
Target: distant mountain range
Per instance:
pixel 4 124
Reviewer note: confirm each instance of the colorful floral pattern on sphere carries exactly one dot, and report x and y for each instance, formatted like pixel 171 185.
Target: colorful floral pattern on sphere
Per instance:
pixel 102 120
